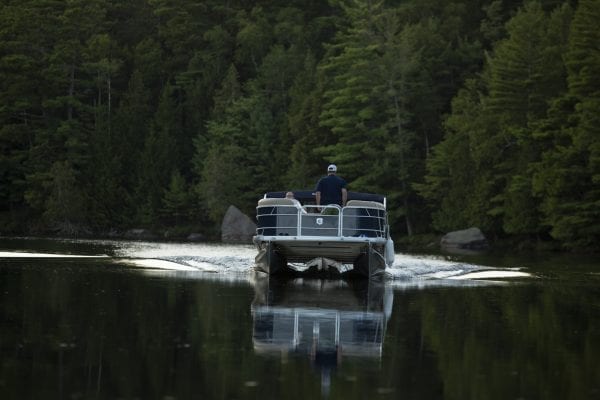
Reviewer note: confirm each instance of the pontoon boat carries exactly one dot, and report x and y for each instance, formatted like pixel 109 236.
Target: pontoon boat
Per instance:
pixel 295 235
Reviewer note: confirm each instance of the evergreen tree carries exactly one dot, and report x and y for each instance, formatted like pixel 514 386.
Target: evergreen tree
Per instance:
pixel 521 76
pixel 303 125
pixel 67 99
pixel 253 40
pixel 568 177
pixel 132 126
pixel 525 73
pixel 176 200
pixel 349 104
pixel 65 207
pixel 458 180
pixel 180 28
pixel 158 158
pixel 24 41
pixel 218 157
pixel 370 71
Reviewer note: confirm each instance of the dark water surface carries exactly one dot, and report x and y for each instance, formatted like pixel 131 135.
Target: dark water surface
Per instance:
pixel 169 321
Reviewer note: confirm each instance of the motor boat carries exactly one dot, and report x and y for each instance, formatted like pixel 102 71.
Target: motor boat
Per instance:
pixel 299 237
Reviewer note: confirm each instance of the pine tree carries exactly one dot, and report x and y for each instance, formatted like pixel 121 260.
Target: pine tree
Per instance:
pixel 568 177
pixel 349 106
pixel 458 180
pixel 67 99
pixel 303 125
pixel 370 71
pixel 524 72
pixel 253 40
pixel 24 40
pixel 180 28
pixel 158 159
pixel 176 200
pixel 65 207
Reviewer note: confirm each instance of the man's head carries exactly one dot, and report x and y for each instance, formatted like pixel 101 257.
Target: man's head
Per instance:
pixel 289 195
pixel 332 169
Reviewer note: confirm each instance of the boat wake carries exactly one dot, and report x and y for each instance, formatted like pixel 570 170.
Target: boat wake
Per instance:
pixel 237 262
pixel 411 271
pixel 407 271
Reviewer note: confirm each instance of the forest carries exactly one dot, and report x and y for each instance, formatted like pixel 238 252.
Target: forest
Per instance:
pixel 159 114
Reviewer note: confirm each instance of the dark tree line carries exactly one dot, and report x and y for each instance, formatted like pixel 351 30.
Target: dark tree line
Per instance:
pixel 162 113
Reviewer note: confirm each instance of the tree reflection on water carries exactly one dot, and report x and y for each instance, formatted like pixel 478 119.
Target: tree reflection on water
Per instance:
pixel 83 328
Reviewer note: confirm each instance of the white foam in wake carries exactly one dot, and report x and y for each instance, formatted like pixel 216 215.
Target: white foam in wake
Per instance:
pixel 493 274
pixel 407 267
pixel 408 271
pixel 159 264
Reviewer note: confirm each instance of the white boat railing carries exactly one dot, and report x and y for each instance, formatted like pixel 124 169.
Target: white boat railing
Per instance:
pixel 285 217
pixel 354 332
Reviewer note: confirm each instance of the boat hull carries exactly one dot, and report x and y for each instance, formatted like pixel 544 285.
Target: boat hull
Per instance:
pixel 292 255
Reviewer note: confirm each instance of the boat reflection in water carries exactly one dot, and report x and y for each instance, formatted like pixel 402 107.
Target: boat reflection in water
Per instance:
pixel 326 321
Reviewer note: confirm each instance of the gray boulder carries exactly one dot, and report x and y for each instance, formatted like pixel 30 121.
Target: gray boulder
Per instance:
pixel 237 227
pixel 466 239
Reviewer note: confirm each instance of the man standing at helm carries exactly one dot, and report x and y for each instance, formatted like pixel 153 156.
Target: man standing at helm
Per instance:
pixel 331 189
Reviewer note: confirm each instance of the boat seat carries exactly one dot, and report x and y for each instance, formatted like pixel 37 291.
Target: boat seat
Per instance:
pixel 278 202
pixel 366 204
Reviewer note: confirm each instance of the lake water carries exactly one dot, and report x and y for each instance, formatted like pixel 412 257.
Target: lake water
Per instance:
pixel 132 320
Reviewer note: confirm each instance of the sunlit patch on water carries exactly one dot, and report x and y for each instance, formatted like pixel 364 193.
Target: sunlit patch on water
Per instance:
pixel 204 257
pixel 17 254
pixel 206 251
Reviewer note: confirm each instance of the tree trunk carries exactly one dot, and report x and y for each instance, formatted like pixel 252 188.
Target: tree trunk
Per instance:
pixel 402 180
pixel 71 93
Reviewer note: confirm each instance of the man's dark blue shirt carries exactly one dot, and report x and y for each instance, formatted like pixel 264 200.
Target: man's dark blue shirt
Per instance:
pixel 330 187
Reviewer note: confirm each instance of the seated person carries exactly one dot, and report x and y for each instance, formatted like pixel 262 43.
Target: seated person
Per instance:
pixel 290 196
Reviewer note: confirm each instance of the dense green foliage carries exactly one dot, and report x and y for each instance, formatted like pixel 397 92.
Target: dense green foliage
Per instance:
pixel 155 113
